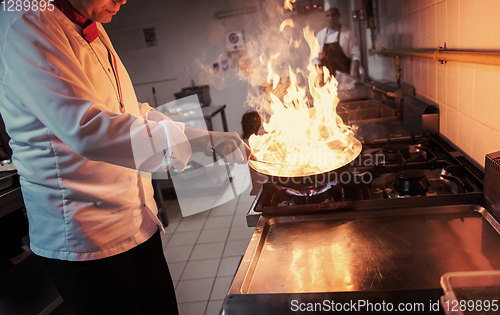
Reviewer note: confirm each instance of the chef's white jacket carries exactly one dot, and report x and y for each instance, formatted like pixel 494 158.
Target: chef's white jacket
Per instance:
pixel 71 145
pixel 347 41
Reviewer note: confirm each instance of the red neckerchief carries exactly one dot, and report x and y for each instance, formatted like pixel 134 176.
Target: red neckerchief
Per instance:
pixel 90 32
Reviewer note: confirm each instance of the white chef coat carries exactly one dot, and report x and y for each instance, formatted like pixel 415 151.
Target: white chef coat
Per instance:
pixel 71 145
pixel 347 41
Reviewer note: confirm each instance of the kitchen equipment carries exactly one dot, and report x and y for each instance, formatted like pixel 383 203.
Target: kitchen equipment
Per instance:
pixel 482 287
pixel 413 210
pixel 299 182
pixel 10 192
pixel 7 179
pixel 421 116
pixel 203 92
pixel 269 162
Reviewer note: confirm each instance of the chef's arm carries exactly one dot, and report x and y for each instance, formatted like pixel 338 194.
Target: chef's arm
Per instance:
pixel 227 145
pixel 45 77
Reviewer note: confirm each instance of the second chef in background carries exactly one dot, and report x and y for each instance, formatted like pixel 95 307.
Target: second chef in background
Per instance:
pixel 339 46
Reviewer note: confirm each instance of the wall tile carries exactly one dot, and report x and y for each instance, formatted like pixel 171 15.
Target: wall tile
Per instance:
pixel 443 119
pixel 452 30
pixel 465 133
pixel 495 98
pixel 418 80
pixel 441 82
pixel 398 41
pixel 406 7
pixel 405 33
pixel 431 26
pixel 441 24
pixel 482 143
pixel 495 141
pixel 424 36
pixel 416 5
pixel 452 84
pixel 432 76
pixel 466 27
pixel 482 94
pixel 415 29
pixel 484 23
pixel 466 88
pixel 408 72
pixel 496 26
pixel 452 125
pixel 391 34
pixel 424 75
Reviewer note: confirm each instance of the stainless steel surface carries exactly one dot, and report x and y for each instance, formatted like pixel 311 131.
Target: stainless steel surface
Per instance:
pixel 360 92
pixel 11 199
pixel 421 116
pixel 367 250
pixel 6 179
pixel 492 182
pixel 360 111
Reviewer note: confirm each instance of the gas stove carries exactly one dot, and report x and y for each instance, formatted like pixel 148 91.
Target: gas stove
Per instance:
pixel 409 209
pixel 422 170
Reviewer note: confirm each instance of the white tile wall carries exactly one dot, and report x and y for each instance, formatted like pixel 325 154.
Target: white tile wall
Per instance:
pixel 452 125
pixel 466 24
pixel 441 23
pixel 466 88
pixel 495 98
pixel 496 25
pixel 484 17
pixel 468 94
pixel 452 17
pixel 482 94
pixel 451 84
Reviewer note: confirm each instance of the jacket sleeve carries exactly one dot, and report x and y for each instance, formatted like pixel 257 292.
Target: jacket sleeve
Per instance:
pixel 353 46
pixel 39 70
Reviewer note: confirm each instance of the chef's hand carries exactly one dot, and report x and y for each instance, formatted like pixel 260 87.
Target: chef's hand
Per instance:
pixel 227 145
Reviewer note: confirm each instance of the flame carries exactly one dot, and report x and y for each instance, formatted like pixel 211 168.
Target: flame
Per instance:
pixel 304 131
pixel 287 22
pixel 288 4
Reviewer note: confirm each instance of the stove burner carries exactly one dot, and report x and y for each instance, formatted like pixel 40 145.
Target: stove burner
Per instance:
pixel 393 151
pixel 310 191
pixel 411 183
pixel 285 198
pixel 326 193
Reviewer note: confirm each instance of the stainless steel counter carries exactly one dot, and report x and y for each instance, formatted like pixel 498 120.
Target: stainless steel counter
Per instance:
pixel 375 253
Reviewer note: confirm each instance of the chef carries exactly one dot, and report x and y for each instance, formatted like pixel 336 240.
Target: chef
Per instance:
pixel 339 47
pixel 75 122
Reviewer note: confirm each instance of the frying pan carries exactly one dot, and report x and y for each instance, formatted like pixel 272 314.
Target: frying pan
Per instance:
pixel 299 182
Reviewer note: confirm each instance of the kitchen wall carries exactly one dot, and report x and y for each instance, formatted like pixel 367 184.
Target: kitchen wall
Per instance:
pixel 193 40
pixel 468 95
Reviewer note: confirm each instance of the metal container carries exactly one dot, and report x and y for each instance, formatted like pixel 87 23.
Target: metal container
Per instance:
pixel 421 116
pixel 482 287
